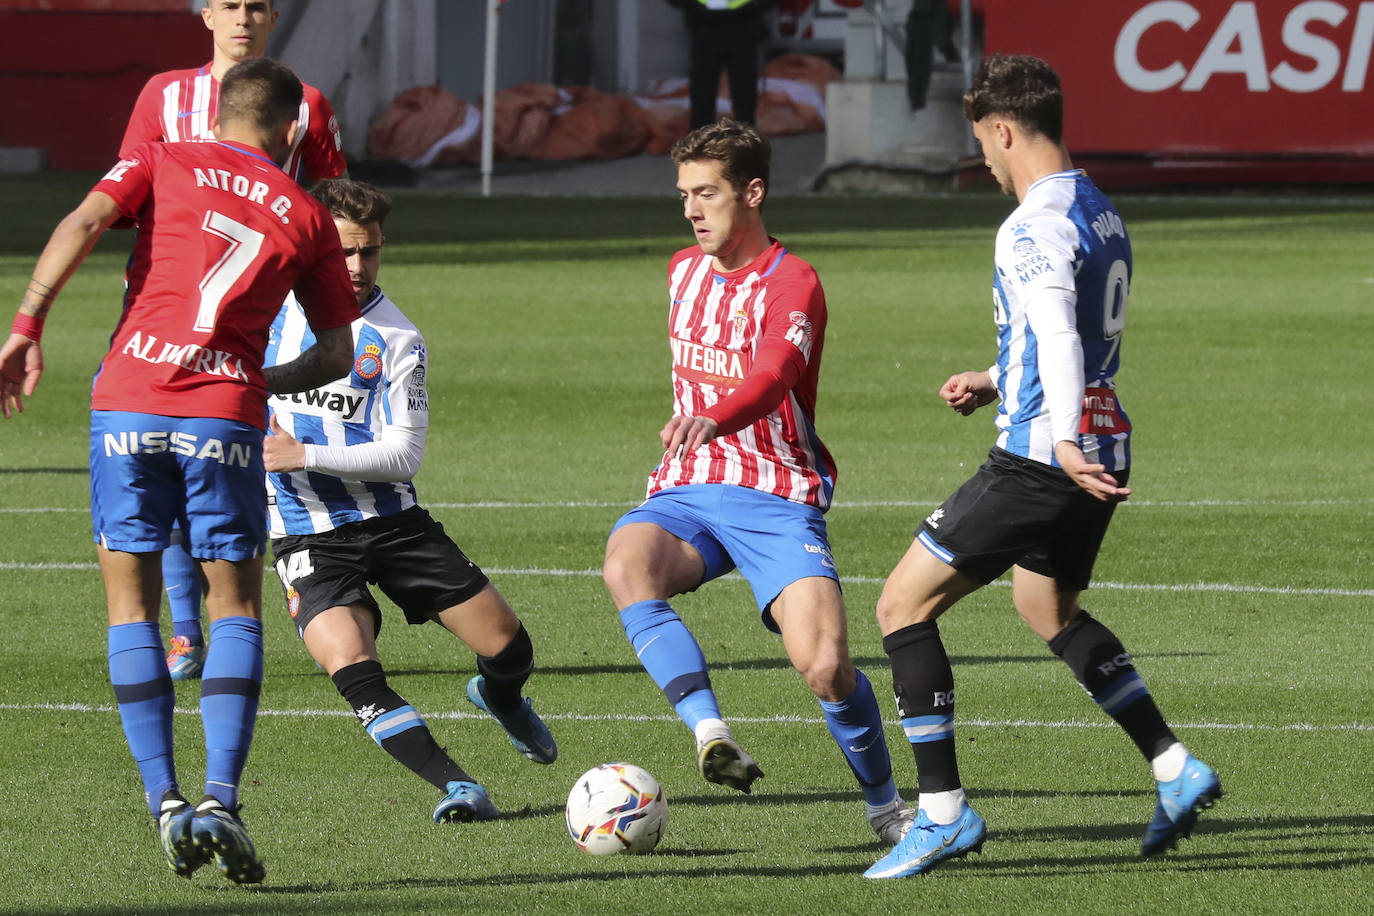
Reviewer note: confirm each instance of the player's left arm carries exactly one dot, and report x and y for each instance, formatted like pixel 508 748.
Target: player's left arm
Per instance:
pixel 325 294
pixel 793 315
pixel 1051 312
pixel 1052 317
pixel 21 357
pixel 328 358
pixel 394 457
pixel 322 146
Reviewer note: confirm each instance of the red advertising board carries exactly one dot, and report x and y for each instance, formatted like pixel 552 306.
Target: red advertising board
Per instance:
pixel 1233 77
pixel 73 70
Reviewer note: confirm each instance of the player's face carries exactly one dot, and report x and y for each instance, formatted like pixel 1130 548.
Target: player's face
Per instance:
pixel 988 137
pixel 362 247
pixel 240 27
pixel 720 216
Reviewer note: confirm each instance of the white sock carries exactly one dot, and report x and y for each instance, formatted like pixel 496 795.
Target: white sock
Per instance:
pixel 710 729
pixel 942 807
pixel 1169 765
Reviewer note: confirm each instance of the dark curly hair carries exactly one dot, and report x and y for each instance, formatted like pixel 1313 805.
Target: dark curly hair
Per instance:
pixel 1020 88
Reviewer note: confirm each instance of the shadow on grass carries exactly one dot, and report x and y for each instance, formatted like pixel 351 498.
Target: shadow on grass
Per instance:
pixel 83 470
pixel 867 662
pixel 1321 855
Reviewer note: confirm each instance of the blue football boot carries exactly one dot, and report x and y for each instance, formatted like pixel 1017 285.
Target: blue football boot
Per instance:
pixel 465 801
pixel 1180 801
pixel 927 844
pixel 527 731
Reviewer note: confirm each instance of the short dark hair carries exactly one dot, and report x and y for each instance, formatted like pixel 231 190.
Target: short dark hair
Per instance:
pixel 352 201
pixel 1020 88
pixel 271 4
pixel 743 152
pixel 262 92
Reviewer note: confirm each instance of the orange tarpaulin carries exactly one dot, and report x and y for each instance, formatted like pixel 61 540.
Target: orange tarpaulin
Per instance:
pixel 430 126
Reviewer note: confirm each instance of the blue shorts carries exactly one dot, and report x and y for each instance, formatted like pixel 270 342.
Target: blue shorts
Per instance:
pixel 772 541
pixel 149 471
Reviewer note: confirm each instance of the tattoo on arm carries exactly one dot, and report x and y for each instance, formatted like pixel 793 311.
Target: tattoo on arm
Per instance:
pixel 37 299
pixel 328 359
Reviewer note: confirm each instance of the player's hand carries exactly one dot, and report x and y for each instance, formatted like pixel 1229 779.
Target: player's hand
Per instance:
pixel 683 435
pixel 968 391
pixel 21 365
pixel 1093 478
pixel 281 452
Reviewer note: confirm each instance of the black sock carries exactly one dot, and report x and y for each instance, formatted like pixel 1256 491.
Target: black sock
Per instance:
pixel 507 671
pixel 394 724
pixel 1105 670
pixel 923 683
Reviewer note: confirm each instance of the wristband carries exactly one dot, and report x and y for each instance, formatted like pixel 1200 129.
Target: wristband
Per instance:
pixel 28 326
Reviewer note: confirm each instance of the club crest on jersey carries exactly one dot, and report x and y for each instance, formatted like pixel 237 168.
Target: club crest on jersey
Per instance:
pixel 369 363
pixel 293 602
pixel 741 318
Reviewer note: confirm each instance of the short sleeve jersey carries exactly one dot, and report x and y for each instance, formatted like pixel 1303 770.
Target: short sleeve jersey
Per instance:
pixel 717 323
pixel 1065 234
pixel 224 235
pixel 181 105
pixel 385 387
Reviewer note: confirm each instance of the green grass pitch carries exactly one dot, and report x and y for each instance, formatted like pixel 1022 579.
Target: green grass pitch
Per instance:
pixel 1241 576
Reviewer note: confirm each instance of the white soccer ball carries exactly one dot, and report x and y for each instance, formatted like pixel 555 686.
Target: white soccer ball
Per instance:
pixel 616 807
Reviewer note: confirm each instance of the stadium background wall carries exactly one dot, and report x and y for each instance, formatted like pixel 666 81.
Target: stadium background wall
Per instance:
pixel 1194 77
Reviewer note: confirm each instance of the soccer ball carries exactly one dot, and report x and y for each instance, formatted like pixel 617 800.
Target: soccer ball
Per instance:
pixel 616 807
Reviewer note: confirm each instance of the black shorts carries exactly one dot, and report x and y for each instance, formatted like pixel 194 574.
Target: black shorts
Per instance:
pixel 1018 512
pixel 406 555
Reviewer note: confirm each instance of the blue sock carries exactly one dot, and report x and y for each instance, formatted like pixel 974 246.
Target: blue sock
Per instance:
pixel 669 652
pixel 143 691
pixel 697 705
pixel 857 727
pixel 229 702
pixel 181 581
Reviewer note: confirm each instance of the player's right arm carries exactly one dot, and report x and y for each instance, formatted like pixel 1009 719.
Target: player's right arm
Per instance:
pixel 144 124
pixel 967 391
pixel 21 357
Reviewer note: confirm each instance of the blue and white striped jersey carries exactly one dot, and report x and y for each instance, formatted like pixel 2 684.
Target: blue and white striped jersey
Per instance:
pixel 386 387
pixel 1065 234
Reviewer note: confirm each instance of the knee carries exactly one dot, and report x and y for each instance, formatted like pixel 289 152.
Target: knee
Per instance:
pixel 896 611
pixel 831 678
pixel 893 614
pixel 621 572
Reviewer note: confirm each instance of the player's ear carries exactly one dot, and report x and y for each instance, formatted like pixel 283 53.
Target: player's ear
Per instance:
pixel 1003 130
pixel 207 15
pixel 291 130
pixel 214 125
pixel 754 192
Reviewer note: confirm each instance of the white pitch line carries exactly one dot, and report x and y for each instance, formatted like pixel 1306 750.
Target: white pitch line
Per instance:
pixel 588 573
pixel 1302 727
pixel 838 506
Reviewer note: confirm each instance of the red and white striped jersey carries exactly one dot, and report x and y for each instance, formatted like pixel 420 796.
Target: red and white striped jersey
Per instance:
pixel 763 325
pixel 181 105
